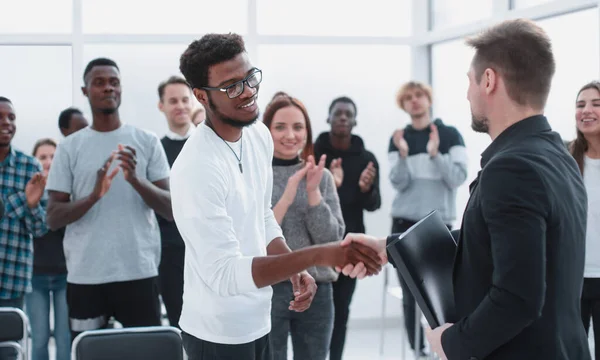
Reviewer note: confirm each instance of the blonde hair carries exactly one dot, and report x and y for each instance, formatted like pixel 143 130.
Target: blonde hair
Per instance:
pixel 413 85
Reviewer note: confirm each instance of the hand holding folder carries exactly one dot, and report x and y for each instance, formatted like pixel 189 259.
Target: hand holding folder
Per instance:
pixel 424 256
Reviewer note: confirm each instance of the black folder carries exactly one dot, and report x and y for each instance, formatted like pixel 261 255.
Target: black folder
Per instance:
pixel 424 257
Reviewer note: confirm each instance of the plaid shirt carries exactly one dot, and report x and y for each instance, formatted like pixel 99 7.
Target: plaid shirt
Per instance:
pixel 19 224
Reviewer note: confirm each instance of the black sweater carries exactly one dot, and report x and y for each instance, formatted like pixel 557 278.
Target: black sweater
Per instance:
pixel 354 161
pixel 48 254
pixel 168 230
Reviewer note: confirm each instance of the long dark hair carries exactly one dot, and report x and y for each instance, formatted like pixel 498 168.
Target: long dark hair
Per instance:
pixel 282 100
pixel 579 146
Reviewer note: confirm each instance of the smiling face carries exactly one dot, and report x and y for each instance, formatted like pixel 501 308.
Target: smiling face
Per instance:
pixel 289 132
pixel 8 127
pixel 237 112
pixel 176 104
pixel 103 89
pixel 587 113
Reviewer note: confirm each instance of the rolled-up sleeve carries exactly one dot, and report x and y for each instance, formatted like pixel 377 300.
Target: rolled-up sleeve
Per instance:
pixel 212 249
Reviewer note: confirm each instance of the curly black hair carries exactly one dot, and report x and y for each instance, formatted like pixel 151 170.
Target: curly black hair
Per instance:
pixel 343 99
pixel 64 119
pixel 211 49
pixel 98 62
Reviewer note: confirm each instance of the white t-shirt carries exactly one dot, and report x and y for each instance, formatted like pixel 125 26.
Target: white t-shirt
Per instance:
pixel 225 219
pixel 118 238
pixel 591 179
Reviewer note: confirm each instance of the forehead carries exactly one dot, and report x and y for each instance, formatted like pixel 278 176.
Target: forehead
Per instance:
pixel 103 71
pixel 46 148
pixel 234 69
pixel 289 114
pixel 413 90
pixel 6 107
pixel 173 90
pixel 589 94
pixel 342 106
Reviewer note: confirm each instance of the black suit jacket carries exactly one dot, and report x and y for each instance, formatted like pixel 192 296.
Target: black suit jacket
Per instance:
pixel 518 270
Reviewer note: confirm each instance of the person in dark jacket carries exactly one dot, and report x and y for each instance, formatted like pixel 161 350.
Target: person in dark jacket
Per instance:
pixel 175 102
pixel 356 174
pixel 519 265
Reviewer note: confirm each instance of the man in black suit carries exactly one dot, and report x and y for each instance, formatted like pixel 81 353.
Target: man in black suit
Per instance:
pixel 518 271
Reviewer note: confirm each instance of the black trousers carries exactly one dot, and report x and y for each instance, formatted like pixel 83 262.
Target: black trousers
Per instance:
pixel 197 349
pixel 170 276
pixel 590 309
pixel 408 301
pixel 133 303
pixel 343 289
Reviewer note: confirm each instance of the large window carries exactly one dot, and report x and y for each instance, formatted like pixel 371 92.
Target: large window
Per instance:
pixel 335 17
pixel 38 81
pixel 370 75
pixel 450 64
pixel 518 4
pixel 142 68
pixel 164 17
pixel 577 62
pixel 36 17
pixel 447 13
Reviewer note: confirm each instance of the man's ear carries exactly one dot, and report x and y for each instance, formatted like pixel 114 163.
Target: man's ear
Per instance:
pixel 160 106
pixel 201 96
pixel 84 91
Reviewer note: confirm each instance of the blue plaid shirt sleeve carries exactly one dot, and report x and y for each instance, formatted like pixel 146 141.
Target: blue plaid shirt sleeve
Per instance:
pixel 19 224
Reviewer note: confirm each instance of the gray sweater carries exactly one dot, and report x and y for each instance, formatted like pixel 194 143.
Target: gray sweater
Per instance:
pixel 303 225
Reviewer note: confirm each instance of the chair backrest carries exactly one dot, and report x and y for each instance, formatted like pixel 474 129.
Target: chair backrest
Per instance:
pixel 14 327
pixel 148 343
pixel 13 345
pixel 14 324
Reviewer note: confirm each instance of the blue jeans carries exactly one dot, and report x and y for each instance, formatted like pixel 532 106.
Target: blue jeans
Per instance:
pixel 37 305
pixel 310 330
pixel 10 353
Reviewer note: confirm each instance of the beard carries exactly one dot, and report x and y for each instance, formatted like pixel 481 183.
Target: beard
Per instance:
pixel 479 124
pixel 228 120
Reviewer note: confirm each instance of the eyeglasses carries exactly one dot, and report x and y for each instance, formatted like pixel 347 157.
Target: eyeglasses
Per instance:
pixel 237 88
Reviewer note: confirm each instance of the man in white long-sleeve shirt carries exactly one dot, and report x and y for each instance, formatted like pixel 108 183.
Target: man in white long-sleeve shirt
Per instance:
pixel 221 193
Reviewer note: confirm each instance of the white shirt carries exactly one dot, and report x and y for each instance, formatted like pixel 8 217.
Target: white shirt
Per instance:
pixel 591 179
pixel 175 136
pixel 225 219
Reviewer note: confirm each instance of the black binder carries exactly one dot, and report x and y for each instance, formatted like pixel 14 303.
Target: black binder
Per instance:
pixel 424 256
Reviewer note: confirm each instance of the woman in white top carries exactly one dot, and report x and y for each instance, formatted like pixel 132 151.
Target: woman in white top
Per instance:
pixel 586 151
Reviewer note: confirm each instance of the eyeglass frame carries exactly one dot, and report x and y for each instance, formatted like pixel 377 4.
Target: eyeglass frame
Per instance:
pixel 244 82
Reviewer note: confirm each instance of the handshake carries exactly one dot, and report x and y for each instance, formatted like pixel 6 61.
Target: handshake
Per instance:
pixel 357 256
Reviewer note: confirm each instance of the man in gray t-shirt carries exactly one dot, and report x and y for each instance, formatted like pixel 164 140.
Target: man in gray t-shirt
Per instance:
pixel 105 184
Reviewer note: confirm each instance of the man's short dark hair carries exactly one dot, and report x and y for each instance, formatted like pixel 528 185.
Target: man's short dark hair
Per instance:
pixel 343 99
pixel 64 119
pixel 98 62
pixel 170 81
pixel 210 50
pixel 521 52
pixel 5 99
